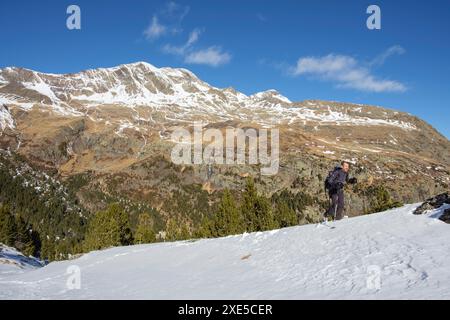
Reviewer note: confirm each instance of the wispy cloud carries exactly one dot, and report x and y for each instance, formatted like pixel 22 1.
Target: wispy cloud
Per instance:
pixel 212 56
pixel 381 59
pixel 173 14
pixel 175 11
pixel 345 72
pixel 155 29
pixel 181 50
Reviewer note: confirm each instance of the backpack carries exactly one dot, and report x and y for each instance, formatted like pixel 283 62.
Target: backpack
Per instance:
pixel 329 181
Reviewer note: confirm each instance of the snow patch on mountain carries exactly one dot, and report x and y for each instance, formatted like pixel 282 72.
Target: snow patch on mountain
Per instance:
pixel 270 94
pixel 42 88
pixel 6 120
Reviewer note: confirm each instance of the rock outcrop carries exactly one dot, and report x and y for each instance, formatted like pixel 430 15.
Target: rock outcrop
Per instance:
pixel 433 203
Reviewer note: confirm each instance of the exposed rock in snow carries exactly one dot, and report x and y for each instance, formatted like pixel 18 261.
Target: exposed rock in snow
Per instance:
pixel 445 216
pixel 14 262
pixel 433 203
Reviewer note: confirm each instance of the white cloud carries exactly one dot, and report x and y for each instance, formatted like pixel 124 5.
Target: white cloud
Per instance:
pixel 155 29
pixel 193 37
pixel 212 56
pixel 346 72
pixel 324 65
pixel 381 59
pixel 181 50
pixel 171 49
pixel 172 16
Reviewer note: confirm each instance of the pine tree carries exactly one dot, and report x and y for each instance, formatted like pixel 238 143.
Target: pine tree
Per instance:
pixel 228 220
pixel 24 241
pixel 144 232
pixel 184 233
pixel 249 199
pixel 8 228
pixel 107 229
pixel 381 200
pixel 205 230
pixel 177 230
pixel 265 219
pixel 256 210
pixel 284 215
pixel 102 232
pixel 125 234
pixel 172 231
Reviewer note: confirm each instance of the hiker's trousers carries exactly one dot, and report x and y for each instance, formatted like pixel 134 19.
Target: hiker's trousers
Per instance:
pixel 337 204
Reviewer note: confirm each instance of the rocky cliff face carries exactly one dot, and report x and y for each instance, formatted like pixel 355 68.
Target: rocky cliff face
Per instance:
pixel 112 127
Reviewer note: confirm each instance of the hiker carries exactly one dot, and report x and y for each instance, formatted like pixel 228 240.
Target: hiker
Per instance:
pixel 334 184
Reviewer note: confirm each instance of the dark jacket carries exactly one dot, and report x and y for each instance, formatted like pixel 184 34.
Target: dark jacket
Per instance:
pixel 338 179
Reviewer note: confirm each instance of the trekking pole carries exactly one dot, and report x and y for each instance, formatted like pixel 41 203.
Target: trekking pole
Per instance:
pixel 364 201
pixel 349 205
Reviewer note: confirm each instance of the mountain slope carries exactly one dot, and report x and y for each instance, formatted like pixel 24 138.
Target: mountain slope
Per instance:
pixel 409 252
pixel 109 131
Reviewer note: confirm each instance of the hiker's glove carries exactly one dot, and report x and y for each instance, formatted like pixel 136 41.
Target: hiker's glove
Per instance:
pixel 353 181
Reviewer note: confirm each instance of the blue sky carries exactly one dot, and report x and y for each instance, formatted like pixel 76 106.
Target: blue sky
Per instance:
pixel 313 49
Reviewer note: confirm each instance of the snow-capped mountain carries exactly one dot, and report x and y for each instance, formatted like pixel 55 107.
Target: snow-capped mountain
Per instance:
pixel 177 93
pixel 389 255
pixel 132 85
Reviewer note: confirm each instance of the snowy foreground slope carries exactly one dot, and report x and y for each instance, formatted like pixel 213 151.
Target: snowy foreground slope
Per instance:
pixel 14 262
pixel 388 255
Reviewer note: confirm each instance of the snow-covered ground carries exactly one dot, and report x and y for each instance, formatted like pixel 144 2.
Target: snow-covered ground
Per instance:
pixel 388 255
pixel 13 262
